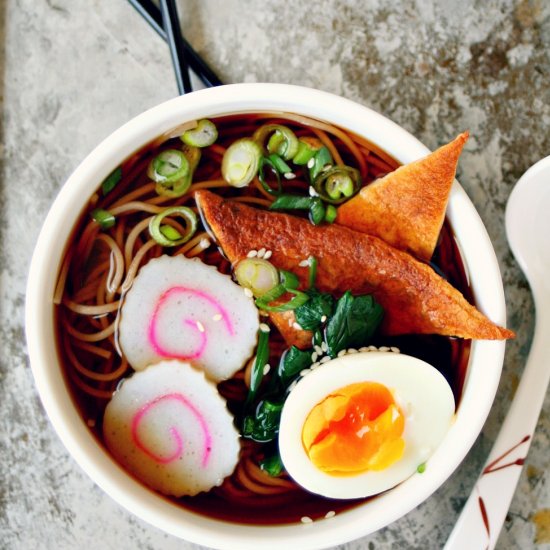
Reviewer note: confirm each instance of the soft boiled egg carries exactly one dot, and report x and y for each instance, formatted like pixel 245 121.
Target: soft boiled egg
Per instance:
pixel 362 423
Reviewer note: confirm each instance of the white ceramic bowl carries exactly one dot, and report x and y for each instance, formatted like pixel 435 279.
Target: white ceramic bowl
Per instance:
pixel 485 359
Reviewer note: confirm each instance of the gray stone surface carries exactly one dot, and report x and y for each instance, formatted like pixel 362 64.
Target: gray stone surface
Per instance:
pixel 74 70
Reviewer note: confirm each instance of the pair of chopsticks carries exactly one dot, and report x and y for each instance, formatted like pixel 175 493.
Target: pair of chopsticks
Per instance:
pixel 165 22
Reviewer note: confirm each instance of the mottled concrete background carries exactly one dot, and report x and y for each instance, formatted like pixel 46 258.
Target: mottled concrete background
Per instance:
pixel 74 70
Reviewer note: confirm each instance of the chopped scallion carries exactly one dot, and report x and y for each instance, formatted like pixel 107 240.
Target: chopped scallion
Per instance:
pixel 104 218
pixel 321 160
pixel 312 271
pixel 331 213
pixel 167 235
pixel 262 176
pixel 282 140
pixel 291 202
pixel 257 372
pixel 204 135
pixel 240 162
pixel 307 147
pixel 279 164
pixel 299 299
pixel 257 274
pixel 168 167
pixel 111 181
pixel 337 184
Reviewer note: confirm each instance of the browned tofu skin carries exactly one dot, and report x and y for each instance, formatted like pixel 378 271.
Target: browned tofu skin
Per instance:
pixel 416 300
pixel 407 207
pixel 284 321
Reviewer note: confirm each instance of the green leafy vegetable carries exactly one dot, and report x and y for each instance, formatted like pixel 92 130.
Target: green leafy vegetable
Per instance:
pixel 257 373
pixel 263 425
pixel 111 181
pixel 318 306
pixel 272 465
pixel 292 362
pixel 355 320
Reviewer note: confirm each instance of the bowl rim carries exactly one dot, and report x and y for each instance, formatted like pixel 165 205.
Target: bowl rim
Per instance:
pixel 480 262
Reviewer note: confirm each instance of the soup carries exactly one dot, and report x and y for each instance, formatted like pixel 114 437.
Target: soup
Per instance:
pixel 111 243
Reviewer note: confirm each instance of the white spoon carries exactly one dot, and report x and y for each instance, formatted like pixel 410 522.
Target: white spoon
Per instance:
pixel 528 232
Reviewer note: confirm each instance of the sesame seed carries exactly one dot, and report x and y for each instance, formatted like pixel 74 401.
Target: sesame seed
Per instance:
pixel 318 349
pixel 217 317
pixel 296 326
pixel 314 357
pixel 323 318
pixel 325 359
pixel 304 263
pixel 315 365
pixel 383 348
pixel 261 252
pixel 290 175
pixel 313 192
pixel 341 353
pixel 252 254
pixel 304 372
pixel 326 167
pixel 395 350
pixel 267 255
pixel 264 327
pixel 324 346
pixel 267 368
pixel 200 326
pixel 204 243
pixel 311 162
pixel 373 348
pixel 248 292
pixel 292 386
pixel 306 519
pixel 290 322
pixel 352 350
pixel 364 348
pixel 330 514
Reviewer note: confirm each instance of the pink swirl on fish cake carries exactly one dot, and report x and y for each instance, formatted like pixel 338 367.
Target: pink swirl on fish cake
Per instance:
pixel 197 353
pixel 178 397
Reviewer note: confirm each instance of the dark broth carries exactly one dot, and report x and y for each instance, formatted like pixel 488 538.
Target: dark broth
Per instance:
pixel 448 355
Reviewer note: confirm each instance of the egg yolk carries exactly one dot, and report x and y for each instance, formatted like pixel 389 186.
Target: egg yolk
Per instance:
pixel 355 429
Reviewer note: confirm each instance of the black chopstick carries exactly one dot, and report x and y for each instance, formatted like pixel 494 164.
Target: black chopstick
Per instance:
pixel 152 14
pixel 171 24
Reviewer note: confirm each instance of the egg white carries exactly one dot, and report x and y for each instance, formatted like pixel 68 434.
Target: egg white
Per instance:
pixel 421 392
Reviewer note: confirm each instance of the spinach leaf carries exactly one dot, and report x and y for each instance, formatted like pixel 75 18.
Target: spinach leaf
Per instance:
pixel 309 315
pixel 110 182
pixel 355 320
pixel 263 426
pixel 273 465
pixel 257 372
pixel 292 362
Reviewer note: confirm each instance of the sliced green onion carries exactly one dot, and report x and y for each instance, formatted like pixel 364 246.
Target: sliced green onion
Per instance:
pixel 331 213
pixel 104 218
pixel 282 140
pixel 322 160
pixel 240 162
pixel 164 237
pixel 168 167
pixel 299 299
pixel 170 232
pixel 180 187
pixel 289 280
pixel 338 184
pixel 279 164
pixel 317 211
pixel 266 161
pixel 204 135
pixel 111 181
pixel 307 147
pixel 312 271
pixel 421 468
pixel 257 274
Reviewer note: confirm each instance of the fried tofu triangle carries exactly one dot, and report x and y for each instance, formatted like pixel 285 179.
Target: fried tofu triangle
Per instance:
pixel 407 207
pixel 415 299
